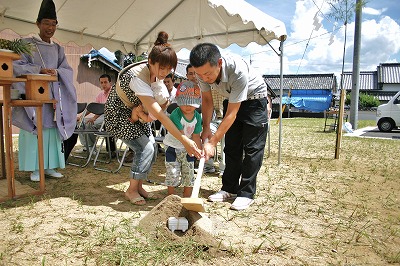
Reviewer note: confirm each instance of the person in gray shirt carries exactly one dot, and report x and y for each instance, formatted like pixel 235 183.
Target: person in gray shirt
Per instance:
pixel 244 124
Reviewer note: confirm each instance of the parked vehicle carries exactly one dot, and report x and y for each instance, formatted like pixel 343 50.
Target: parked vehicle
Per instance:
pixel 388 115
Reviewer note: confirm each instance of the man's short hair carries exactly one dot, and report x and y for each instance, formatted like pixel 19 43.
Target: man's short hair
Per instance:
pixel 203 53
pixel 187 67
pixel 106 76
pixel 170 76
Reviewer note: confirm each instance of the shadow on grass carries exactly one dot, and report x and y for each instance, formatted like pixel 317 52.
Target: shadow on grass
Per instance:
pixel 91 187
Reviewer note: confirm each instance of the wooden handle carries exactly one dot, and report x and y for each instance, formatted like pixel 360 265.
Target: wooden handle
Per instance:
pixel 197 181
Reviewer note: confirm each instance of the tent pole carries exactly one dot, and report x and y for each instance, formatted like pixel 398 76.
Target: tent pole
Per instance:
pixel 280 100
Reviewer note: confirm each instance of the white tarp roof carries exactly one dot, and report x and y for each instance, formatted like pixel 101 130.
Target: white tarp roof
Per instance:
pixel 133 25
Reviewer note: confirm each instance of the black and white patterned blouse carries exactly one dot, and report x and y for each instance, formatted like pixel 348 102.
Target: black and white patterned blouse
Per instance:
pixel 117 114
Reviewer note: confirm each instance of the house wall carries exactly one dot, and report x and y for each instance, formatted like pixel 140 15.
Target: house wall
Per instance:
pixel 86 80
pixel 391 87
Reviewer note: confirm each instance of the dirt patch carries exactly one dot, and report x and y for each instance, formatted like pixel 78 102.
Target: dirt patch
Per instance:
pixel 309 210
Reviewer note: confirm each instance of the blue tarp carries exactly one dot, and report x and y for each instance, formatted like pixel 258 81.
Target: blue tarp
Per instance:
pixel 103 56
pixel 310 100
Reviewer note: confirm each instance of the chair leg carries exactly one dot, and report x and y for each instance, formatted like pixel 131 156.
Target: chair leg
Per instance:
pixel 98 152
pixel 121 161
pixel 119 158
pixel 89 156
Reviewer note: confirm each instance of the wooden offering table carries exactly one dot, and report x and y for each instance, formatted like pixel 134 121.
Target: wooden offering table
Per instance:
pixel 6 79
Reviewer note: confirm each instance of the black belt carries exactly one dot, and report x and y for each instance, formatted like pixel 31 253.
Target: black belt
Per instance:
pixel 258 96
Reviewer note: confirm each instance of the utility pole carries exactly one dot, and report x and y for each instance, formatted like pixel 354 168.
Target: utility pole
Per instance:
pixel 342 11
pixel 355 89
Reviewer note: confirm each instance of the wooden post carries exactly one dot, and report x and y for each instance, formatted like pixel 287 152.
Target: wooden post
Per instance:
pixel 3 161
pixel 340 124
pixel 40 148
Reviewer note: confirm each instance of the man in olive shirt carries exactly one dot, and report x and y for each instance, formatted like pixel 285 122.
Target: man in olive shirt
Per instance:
pixel 244 124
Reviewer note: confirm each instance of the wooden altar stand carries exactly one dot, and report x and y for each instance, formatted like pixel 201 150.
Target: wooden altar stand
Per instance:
pixel 37 99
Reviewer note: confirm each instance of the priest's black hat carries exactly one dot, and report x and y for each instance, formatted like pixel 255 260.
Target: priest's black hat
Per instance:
pixel 47 10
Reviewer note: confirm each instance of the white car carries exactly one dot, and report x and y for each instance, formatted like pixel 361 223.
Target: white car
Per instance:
pixel 388 115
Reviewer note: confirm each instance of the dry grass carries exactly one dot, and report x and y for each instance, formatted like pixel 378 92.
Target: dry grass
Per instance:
pixel 309 210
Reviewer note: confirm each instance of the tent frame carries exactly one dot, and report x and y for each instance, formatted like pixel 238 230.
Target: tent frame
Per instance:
pixel 281 40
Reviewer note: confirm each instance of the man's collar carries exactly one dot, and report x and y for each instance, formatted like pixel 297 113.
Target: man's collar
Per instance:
pixel 223 74
pixel 37 37
pixel 106 93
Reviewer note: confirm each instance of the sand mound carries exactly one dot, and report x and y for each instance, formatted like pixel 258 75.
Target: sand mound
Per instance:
pixel 200 226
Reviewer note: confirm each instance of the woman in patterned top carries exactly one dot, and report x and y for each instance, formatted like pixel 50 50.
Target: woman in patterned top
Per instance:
pixel 141 83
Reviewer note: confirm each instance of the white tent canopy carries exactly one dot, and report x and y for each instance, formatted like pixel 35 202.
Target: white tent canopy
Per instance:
pixel 133 25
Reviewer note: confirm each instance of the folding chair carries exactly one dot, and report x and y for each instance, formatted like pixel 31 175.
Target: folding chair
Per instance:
pixel 96 109
pixel 73 139
pixel 171 107
pixel 105 137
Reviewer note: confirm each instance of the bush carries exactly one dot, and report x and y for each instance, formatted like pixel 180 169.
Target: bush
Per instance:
pixel 365 101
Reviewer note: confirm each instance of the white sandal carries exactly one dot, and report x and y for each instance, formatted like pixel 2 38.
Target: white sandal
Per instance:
pixel 53 173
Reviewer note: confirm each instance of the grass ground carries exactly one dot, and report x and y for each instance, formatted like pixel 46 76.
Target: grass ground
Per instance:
pixel 310 209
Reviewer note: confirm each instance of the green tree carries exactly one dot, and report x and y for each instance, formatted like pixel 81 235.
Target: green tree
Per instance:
pixel 365 101
pixel 343 11
pixel 127 59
